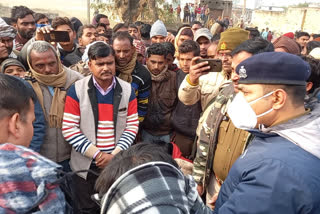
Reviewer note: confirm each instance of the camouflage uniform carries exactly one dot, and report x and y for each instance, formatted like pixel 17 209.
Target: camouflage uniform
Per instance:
pixel 209 137
pixel 82 68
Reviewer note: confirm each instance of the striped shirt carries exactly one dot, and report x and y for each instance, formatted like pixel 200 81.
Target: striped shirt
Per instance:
pixel 105 139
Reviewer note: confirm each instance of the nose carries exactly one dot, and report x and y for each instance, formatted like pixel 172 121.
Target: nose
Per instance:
pixel 122 55
pixel 48 70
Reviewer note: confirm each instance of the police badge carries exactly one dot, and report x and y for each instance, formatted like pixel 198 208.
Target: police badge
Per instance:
pixel 243 72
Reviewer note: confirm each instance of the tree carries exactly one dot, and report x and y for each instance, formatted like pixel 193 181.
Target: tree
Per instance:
pixel 130 10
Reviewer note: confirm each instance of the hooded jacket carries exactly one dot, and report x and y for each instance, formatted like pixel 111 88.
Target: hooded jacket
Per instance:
pixel 155 187
pixel 279 171
pixel 27 182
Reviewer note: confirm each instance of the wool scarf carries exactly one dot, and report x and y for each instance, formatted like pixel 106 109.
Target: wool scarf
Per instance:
pixel 163 75
pixel 57 81
pixel 126 71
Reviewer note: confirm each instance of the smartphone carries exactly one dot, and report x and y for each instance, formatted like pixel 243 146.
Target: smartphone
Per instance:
pixel 57 36
pixel 215 64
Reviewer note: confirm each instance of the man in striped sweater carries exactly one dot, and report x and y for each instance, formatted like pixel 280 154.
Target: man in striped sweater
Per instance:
pixel 100 119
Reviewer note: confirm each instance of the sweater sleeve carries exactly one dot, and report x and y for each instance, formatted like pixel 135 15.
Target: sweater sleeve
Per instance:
pixel 132 125
pixel 71 126
pixel 142 93
pixel 189 94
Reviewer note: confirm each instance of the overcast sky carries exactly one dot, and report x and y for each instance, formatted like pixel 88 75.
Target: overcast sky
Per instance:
pixel 288 2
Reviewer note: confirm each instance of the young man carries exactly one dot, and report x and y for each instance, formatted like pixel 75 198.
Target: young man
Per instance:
pixel 23 172
pixel 158 32
pixel 70 53
pixel 101 18
pixel 86 35
pixel 131 71
pixel 281 162
pixel 163 98
pixel 185 117
pixel 50 80
pixel 13 67
pixel 100 119
pixel 196 25
pixel 134 31
pixel 41 19
pixel 203 38
pixel 23 20
pixel 302 39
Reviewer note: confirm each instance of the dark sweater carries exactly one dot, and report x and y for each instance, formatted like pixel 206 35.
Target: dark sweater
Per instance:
pixel 185 118
pixel 141 83
pixel 72 57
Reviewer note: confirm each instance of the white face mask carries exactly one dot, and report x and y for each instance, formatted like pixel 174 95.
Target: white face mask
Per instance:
pixel 242 114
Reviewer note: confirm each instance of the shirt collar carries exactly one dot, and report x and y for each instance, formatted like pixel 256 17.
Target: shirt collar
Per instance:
pixel 112 86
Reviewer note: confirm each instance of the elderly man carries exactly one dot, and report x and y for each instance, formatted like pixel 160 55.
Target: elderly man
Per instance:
pixel 129 70
pixel 50 80
pixel 100 119
pixel 279 170
pixel 7 35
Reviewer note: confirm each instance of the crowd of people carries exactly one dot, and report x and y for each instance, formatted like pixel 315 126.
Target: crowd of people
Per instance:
pixel 138 118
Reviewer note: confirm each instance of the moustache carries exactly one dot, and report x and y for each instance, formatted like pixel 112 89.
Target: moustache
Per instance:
pixel 106 72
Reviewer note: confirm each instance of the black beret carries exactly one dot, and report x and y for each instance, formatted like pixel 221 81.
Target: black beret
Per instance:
pixel 274 68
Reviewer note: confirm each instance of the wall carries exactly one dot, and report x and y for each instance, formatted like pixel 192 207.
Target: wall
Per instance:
pixel 287 21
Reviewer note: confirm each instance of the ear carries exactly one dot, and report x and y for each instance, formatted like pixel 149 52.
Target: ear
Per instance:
pixel 279 99
pixel 14 126
pixel 80 41
pixel 309 86
pixel 14 24
pixel 74 35
pixel 89 63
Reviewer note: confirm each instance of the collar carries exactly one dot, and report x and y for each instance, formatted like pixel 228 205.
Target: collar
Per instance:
pixel 102 91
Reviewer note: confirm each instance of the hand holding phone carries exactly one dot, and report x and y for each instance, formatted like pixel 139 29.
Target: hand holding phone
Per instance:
pixel 197 70
pixel 48 34
pixel 57 36
pixel 215 64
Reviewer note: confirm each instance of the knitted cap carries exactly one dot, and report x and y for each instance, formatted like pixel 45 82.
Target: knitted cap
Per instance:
pixel 158 29
pixel 315 53
pixel 11 61
pixel 289 45
pixel 7 30
pixel 289 35
pixel 231 38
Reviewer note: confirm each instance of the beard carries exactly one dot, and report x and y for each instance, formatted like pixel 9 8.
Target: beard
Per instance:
pixel 26 34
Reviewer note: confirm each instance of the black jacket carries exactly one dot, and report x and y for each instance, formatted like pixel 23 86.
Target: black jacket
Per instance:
pixel 185 118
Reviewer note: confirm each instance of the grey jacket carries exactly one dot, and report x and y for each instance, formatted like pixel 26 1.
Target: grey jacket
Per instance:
pixel 54 146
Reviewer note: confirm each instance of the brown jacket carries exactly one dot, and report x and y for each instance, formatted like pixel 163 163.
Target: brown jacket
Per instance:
pixel 162 102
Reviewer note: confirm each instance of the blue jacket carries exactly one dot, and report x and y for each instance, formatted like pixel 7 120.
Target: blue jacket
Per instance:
pixel 273 175
pixel 39 125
